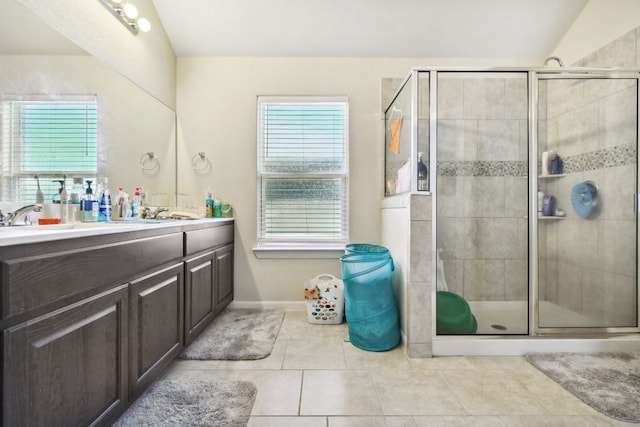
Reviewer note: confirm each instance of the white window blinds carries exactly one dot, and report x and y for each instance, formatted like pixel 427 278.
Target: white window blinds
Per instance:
pixel 48 138
pixel 302 170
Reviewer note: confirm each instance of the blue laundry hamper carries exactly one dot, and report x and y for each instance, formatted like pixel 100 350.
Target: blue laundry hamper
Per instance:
pixel 370 305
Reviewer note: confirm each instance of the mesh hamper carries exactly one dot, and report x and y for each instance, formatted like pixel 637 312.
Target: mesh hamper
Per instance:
pixel 328 308
pixel 370 306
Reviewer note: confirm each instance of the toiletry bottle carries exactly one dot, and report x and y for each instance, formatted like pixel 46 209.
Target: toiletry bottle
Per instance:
pixel 143 198
pixel 39 194
pixel 105 202
pixel 548 205
pixel 126 207
pixel 209 206
pixel 556 165
pixel 76 191
pixel 64 202
pixel 118 213
pixel 423 175
pixel 56 197
pixel 546 159
pixel 217 208
pixel 89 205
pixel 540 201
pixel 136 202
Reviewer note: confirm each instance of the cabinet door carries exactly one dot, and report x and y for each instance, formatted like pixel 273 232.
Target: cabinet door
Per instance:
pixel 200 294
pixel 68 367
pixel 155 325
pixel 224 279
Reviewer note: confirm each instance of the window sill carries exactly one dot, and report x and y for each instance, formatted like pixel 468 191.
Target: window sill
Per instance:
pixel 299 251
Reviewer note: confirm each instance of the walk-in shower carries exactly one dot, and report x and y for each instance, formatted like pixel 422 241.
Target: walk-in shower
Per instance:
pixel 533 177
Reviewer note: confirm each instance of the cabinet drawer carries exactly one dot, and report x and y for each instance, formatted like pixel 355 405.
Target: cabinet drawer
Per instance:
pixel 207 238
pixel 34 282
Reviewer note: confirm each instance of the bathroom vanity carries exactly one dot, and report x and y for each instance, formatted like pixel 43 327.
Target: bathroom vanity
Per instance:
pixel 91 316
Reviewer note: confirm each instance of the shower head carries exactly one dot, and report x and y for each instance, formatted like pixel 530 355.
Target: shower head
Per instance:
pixel 554 58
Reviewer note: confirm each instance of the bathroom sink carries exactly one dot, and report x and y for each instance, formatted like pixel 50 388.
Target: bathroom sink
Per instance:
pixel 18 234
pixel 34 228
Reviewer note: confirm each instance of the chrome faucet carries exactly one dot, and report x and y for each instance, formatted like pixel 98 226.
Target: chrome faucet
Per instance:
pixel 153 214
pixel 10 218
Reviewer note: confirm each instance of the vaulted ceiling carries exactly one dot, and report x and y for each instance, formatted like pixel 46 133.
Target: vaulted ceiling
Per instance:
pixel 517 29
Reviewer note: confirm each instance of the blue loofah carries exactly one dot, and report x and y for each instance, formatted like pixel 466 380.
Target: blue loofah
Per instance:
pixel 583 198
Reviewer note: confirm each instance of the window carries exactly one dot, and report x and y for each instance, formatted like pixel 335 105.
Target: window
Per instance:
pixel 48 138
pixel 302 172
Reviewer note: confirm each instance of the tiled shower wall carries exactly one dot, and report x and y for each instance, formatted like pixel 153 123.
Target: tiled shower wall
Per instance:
pixel 589 265
pixel 482 186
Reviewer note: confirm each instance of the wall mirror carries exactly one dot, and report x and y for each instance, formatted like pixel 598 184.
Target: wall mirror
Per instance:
pixel 136 133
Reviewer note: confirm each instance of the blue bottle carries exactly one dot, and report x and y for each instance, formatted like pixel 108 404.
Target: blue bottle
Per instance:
pixel 209 206
pixel 423 175
pixel 104 213
pixel 556 165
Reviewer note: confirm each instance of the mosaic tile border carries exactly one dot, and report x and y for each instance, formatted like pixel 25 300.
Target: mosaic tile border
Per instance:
pixel 482 168
pixel 620 155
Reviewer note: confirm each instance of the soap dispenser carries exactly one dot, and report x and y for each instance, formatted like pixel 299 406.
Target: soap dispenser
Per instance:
pixel 89 205
pixel 136 203
pixel 56 197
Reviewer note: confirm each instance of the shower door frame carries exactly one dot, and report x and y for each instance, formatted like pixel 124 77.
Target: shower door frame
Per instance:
pixel 535 75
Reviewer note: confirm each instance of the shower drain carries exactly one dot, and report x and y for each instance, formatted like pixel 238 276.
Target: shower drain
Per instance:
pixel 499 327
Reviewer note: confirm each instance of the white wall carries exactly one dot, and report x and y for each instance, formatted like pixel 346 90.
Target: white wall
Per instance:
pixel 599 23
pixel 217 115
pixel 147 59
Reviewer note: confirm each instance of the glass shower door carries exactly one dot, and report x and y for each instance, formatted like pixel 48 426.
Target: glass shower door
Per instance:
pixel 482 233
pixel 587 189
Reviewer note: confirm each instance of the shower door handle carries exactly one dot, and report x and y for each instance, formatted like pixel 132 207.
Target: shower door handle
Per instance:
pixel 636 202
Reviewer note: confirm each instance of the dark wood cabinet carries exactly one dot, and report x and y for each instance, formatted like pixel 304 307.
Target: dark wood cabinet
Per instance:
pixel 200 294
pixel 68 367
pixel 88 323
pixel 224 277
pixel 156 321
pixel 208 289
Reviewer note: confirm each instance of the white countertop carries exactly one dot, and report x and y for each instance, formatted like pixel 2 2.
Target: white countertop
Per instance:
pixel 21 234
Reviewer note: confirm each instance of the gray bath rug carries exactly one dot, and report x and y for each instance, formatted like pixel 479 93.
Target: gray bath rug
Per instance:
pixel 192 403
pixel 608 382
pixel 237 334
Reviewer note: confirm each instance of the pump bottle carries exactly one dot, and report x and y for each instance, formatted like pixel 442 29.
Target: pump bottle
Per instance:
pixel 136 202
pixel 89 205
pixel 105 203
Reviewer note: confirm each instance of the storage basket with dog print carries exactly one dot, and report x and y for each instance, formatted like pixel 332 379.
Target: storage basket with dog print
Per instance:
pixel 325 300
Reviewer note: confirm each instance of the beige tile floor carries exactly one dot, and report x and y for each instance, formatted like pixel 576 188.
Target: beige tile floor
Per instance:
pixel 316 378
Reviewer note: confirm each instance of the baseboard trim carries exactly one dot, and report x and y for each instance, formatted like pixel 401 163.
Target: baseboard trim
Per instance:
pixel 271 305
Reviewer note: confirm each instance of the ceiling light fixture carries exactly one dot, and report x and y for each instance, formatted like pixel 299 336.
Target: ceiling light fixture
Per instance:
pixel 128 15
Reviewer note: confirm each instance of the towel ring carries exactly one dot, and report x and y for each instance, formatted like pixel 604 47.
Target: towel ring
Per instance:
pixel 200 162
pixel 151 158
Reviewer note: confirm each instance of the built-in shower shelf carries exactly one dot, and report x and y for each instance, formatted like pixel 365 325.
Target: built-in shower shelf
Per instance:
pixel 557 175
pixel 550 217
